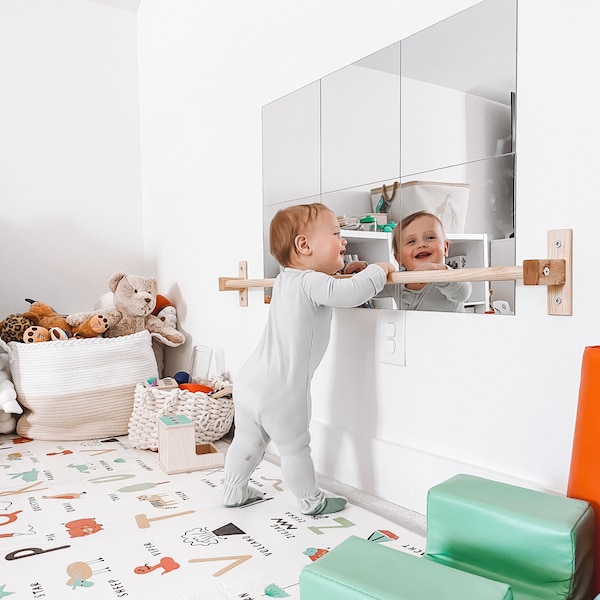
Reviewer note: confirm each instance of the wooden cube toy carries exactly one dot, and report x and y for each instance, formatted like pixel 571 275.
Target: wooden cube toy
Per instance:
pixel 177 448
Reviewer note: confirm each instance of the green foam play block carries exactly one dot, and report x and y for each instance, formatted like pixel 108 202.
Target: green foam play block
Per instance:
pixel 358 569
pixel 541 544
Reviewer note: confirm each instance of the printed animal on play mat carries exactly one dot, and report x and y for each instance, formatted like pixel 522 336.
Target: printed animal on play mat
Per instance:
pixel 83 527
pixel 80 572
pixel 82 468
pixel 166 563
pixel 26 475
pixel 15 456
pixel 315 553
pixel 157 501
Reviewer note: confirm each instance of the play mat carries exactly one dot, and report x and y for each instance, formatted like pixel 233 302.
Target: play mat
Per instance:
pixel 98 520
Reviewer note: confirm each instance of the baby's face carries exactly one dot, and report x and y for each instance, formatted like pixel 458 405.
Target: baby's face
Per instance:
pixel 423 241
pixel 327 247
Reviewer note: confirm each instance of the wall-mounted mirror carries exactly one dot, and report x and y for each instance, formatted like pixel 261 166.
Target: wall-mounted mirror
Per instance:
pixel 431 117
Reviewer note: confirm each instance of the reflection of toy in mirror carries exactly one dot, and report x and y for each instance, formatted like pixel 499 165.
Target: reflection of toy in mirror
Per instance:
pixel 457 262
pixel 501 307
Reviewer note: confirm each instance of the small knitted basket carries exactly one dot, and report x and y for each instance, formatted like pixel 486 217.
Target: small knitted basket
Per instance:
pixel 212 416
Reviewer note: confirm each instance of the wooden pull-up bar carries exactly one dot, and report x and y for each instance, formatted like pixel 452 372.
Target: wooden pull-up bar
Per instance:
pixel 554 272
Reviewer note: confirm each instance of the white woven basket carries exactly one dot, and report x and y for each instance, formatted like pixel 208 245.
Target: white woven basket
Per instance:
pixel 79 389
pixel 212 417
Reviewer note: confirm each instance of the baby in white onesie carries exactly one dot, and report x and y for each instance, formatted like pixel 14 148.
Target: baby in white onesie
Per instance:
pixel 272 390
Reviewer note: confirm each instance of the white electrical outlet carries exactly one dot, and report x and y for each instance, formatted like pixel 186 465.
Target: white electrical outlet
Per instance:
pixel 391 337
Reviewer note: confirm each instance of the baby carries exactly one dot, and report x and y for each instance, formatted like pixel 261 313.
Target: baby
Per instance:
pixel 420 244
pixel 272 390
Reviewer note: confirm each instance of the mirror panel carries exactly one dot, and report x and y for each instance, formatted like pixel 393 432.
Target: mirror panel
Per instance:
pixel 475 203
pixel 475 197
pixel 458 81
pixel 291 137
pixel 360 121
pixel 435 109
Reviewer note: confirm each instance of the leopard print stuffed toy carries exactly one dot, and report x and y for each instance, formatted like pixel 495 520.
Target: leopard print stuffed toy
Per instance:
pixel 13 327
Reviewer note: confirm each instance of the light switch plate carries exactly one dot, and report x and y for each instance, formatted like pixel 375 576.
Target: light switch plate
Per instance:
pixel 391 337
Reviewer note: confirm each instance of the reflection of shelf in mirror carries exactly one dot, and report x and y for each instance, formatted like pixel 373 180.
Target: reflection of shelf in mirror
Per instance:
pixel 466 236
pixel 377 247
pixel 502 252
pixel 474 247
pixel 356 235
pixel 372 246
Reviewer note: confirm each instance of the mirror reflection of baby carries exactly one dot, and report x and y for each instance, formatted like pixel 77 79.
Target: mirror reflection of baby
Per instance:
pixel 272 397
pixel 419 243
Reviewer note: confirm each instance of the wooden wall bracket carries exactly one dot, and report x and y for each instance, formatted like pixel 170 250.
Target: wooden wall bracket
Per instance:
pixel 225 283
pixel 560 295
pixel 556 272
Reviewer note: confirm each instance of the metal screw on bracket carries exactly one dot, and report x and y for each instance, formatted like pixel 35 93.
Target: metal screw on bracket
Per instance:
pixel 557 300
pixel 557 244
pixel 546 271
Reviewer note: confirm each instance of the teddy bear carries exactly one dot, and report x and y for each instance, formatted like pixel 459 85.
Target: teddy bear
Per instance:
pixel 164 310
pixel 8 398
pixel 133 300
pixel 49 325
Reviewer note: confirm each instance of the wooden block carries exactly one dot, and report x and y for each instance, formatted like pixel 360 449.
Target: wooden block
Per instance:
pixel 177 448
pixel 544 272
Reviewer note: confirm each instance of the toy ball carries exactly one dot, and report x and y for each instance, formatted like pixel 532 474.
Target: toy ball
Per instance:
pixel 181 377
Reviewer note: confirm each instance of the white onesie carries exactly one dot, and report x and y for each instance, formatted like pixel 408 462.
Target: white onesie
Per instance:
pixel 272 390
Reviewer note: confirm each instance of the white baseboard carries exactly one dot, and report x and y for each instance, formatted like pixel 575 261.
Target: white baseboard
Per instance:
pixel 390 472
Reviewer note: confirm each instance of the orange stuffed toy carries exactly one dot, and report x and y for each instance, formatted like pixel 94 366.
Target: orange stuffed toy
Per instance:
pixel 49 325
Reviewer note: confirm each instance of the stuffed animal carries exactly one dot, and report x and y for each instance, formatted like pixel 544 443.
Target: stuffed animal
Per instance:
pixel 13 327
pixel 165 311
pixel 134 299
pixel 49 325
pixel 8 398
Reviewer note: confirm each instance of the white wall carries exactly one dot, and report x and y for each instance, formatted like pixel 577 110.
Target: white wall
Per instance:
pixel 204 76
pixel 479 394
pixel 70 184
pixel 494 395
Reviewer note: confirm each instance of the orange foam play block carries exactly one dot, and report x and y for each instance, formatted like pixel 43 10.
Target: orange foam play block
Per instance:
pixel 584 475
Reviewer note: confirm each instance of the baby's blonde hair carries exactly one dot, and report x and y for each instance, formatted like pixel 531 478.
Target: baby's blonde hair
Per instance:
pixel 287 224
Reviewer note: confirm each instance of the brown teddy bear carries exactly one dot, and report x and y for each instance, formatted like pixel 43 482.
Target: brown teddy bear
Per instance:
pixel 133 300
pixel 49 325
